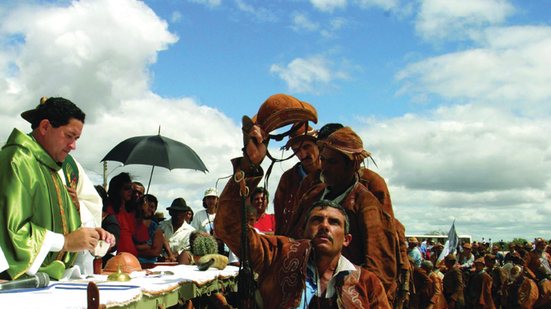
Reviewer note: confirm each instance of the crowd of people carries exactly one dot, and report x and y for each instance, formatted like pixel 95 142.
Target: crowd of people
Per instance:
pixel 332 242
pixel 480 275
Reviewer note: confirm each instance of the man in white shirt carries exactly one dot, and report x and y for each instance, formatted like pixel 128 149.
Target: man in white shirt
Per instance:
pixel 203 220
pixel 177 230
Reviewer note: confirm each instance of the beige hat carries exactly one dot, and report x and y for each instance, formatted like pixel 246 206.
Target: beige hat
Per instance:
pixel 211 192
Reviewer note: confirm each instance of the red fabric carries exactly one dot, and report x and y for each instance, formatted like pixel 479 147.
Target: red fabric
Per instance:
pixel 127 223
pixel 141 234
pixel 266 223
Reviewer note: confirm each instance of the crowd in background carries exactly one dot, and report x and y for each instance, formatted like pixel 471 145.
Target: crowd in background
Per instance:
pixel 480 275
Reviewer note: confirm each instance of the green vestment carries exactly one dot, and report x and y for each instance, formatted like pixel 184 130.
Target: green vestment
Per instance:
pixel 32 201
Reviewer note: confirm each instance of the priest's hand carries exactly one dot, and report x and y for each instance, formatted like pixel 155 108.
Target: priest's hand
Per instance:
pixel 106 236
pixel 84 238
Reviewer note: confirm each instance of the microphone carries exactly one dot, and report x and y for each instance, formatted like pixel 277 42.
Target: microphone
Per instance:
pixel 39 280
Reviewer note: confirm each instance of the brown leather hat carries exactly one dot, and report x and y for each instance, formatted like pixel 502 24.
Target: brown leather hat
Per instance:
pixel 301 132
pixel 347 142
pixel 281 109
pixel 127 262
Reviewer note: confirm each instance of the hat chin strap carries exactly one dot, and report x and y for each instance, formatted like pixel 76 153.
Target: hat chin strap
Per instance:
pixel 279 137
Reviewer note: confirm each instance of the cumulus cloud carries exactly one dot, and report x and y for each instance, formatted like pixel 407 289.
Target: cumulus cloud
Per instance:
pixel 95 52
pixel 309 75
pixel 483 166
pixel 328 5
pixel 457 18
pixel 508 69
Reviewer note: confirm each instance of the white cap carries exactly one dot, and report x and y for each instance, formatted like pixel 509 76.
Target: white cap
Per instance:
pixel 211 192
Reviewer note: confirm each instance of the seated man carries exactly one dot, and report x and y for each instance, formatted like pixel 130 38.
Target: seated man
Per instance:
pixel 296 273
pixel 176 230
pixel 40 227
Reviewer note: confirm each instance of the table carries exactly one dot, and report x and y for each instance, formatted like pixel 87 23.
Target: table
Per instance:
pixel 143 291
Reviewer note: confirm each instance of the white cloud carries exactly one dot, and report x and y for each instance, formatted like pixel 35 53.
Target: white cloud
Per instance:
pixel 483 166
pixel 301 22
pixel 261 14
pixel 95 52
pixel 456 18
pixel 309 75
pixel 509 69
pixel 328 5
pixel 175 17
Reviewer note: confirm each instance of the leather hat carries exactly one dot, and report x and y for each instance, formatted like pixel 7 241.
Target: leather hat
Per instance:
pixel 301 132
pixel 127 262
pixel 281 109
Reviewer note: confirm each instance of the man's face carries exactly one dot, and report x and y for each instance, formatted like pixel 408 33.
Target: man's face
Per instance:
pixel 178 216
pixel 260 202
pixel 58 142
pixel 325 228
pixel 211 202
pixel 335 167
pixel 308 154
pixel 138 191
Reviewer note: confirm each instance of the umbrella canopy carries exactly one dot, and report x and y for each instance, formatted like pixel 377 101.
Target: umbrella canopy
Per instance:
pixel 155 150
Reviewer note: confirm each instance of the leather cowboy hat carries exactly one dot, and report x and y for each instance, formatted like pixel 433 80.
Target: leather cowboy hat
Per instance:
pixel 127 262
pixel 301 132
pixel 280 110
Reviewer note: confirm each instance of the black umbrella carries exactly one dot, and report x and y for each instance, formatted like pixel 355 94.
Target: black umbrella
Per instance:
pixel 155 150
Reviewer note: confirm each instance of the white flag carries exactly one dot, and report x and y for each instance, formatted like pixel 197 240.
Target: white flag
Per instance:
pixel 453 239
pixel 451 244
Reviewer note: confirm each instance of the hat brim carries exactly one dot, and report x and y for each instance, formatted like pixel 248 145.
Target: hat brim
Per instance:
pixel 298 139
pixel 29 115
pixel 178 208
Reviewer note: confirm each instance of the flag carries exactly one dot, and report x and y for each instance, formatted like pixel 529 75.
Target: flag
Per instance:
pixel 453 239
pixel 451 244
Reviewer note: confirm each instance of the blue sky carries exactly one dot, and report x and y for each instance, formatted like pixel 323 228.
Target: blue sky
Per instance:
pixel 451 97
